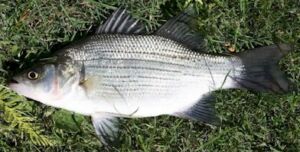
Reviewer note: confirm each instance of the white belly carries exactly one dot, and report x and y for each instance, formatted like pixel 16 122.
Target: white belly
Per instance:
pixel 145 106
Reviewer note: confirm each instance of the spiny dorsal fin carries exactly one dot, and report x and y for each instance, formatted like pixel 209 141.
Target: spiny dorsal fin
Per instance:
pixel 203 111
pixel 180 29
pixel 120 22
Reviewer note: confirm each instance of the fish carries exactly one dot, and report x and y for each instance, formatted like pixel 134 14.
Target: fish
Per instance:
pixel 121 71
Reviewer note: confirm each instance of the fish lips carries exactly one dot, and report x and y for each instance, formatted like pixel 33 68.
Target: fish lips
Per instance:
pixel 19 88
pixel 13 81
pixel 13 84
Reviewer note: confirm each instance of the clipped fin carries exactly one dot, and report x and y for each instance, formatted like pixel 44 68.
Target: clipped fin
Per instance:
pixel 180 29
pixel 89 83
pixel 203 111
pixel 260 72
pixel 120 22
pixel 107 129
pixel 90 87
pixel 82 73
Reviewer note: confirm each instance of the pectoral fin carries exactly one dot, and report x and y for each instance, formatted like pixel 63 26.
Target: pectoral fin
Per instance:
pixel 107 128
pixel 89 85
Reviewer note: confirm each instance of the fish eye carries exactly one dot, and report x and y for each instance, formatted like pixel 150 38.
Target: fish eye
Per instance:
pixel 32 75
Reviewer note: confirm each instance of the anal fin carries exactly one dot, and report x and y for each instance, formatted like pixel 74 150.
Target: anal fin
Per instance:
pixel 203 111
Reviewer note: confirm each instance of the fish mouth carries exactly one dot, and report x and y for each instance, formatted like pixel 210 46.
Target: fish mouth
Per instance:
pixel 13 81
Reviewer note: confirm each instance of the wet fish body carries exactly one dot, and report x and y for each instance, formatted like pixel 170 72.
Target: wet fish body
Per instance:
pixel 121 71
pixel 150 73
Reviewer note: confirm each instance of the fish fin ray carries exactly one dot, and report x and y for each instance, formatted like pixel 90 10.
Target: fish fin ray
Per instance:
pixel 180 29
pixel 202 111
pixel 261 72
pixel 107 128
pixel 120 22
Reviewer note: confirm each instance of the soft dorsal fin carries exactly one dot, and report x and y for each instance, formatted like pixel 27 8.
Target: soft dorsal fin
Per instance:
pixel 180 29
pixel 120 22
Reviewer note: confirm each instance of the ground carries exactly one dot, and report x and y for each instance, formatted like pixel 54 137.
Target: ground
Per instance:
pixel 250 121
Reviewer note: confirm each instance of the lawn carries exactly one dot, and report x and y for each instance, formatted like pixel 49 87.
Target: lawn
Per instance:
pixel 250 121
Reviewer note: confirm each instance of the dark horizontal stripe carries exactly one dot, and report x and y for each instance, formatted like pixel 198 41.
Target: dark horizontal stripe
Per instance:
pixel 189 59
pixel 113 41
pixel 128 85
pixel 171 72
pixel 141 60
pixel 138 77
pixel 135 67
pixel 137 91
pixel 149 68
pixel 167 53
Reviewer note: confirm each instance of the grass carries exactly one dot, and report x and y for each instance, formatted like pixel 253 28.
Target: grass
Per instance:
pixel 250 121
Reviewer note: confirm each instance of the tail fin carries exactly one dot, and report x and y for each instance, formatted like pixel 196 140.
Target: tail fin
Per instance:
pixel 261 72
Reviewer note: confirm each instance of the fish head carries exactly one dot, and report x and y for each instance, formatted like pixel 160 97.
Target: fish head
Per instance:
pixel 46 82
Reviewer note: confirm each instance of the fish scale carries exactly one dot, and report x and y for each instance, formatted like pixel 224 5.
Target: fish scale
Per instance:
pixel 169 53
pixel 138 65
